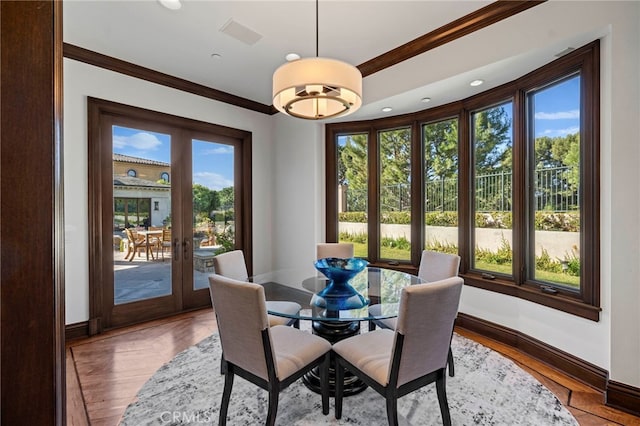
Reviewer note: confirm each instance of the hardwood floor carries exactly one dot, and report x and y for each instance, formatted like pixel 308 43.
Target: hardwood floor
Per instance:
pixel 105 372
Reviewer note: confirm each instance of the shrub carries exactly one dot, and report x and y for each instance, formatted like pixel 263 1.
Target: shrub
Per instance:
pixel 400 218
pixel 500 257
pixel 356 217
pixel 545 263
pixel 441 218
pixel 398 243
pixel 544 221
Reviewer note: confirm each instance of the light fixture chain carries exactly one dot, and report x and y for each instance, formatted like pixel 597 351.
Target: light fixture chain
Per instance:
pixel 317 28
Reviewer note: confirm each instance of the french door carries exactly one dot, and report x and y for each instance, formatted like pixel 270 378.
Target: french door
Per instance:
pixel 166 195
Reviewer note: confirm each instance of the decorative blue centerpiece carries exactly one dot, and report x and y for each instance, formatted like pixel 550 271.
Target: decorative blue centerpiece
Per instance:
pixel 339 294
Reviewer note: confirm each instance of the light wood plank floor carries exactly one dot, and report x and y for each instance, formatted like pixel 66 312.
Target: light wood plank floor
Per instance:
pixel 105 372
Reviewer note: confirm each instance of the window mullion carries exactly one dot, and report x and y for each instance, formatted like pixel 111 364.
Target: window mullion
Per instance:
pixel 521 209
pixel 373 211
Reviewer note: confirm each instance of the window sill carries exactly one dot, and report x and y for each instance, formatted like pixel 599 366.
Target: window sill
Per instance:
pixel 534 294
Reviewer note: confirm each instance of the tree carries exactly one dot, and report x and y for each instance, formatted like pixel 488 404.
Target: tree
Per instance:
pixel 492 139
pixel 226 198
pixel 441 149
pixel 395 169
pixel 203 200
pixel 353 157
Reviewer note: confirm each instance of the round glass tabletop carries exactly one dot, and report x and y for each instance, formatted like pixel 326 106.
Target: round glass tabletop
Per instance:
pixel 377 287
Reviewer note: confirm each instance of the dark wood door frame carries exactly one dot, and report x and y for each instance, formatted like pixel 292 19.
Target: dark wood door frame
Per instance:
pixel 102 115
pixel 32 363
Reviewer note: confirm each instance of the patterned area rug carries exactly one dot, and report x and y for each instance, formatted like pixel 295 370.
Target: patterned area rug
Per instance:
pixel 488 389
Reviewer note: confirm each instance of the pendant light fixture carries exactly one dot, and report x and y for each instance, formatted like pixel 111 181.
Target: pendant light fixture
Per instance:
pixel 317 88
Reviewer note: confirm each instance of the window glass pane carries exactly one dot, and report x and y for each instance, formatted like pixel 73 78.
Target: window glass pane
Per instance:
pixel 353 191
pixel 556 182
pixel 441 186
pixel 395 194
pixel 213 206
pixel 139 269
pixel 492 174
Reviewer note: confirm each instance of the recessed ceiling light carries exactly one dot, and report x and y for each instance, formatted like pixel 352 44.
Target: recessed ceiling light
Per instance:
pixel 171 4
pixel 292 57
pixel 387 109
pixel 476 82
pixel 425 100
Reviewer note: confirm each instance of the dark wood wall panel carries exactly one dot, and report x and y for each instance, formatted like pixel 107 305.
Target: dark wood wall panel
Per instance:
pixel 32 319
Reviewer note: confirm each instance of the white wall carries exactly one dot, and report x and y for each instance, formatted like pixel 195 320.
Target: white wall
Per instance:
pixel 613 343
pixel 82 80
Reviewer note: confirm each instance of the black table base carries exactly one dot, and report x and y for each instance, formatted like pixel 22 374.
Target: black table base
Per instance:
pixel 334 332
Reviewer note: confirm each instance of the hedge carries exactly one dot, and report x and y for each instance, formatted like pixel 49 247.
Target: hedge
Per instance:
pixel 544 221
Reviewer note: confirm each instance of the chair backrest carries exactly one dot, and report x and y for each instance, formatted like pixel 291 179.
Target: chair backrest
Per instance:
pixel 242 316
pixel 231 265
pixel 435 266
pixel 425 318
pixel 166 234
pixel 342 250
pixel 131 234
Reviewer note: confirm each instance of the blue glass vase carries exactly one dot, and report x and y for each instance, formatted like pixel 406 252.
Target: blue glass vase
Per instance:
pixel 339 294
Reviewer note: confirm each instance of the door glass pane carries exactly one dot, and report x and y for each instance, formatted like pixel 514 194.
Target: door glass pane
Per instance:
pixel 141 210
pixel 353 189
pixel 556 183
pixel 441 186
pixel 213 206
pixel 492 174
pixel 395 194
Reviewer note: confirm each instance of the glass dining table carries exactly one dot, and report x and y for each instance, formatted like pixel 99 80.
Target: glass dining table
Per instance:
pixel 377 286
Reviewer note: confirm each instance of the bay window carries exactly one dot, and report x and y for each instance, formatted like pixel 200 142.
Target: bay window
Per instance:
pixel 508 179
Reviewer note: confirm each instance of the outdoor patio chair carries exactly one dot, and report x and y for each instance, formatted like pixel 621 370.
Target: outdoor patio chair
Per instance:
pixel 135 243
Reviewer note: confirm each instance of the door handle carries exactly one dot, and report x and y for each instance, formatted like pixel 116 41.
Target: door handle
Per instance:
pixel 176 249
pixel 187 245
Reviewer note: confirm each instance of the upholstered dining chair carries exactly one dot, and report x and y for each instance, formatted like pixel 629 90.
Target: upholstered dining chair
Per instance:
pixel 342 250
pixel 434 266
pixel 232 265
pixel 269 357
pixel 395 363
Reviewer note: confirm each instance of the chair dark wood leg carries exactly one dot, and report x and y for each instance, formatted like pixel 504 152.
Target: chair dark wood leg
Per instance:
pixel 339 385
pixel 372 326
pixel 452 370
pixel 223 365
pixel 324 383
pixel 297 324
pixel 442 398
pixel 273 405
pixel 392 409
pixel 226 395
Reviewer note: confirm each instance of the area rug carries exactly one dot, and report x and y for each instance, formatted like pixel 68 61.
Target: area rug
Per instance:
pixel 488 389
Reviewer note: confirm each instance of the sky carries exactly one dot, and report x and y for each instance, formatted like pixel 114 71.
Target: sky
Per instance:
pixel 212 162
pixel 557 109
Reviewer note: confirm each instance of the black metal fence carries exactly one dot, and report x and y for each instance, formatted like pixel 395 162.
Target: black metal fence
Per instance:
pixel 554 191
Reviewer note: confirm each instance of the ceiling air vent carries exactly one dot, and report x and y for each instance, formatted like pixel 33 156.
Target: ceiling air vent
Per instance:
pixel 240 32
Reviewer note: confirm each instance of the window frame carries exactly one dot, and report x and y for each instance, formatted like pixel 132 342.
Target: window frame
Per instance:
pixel 586 302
